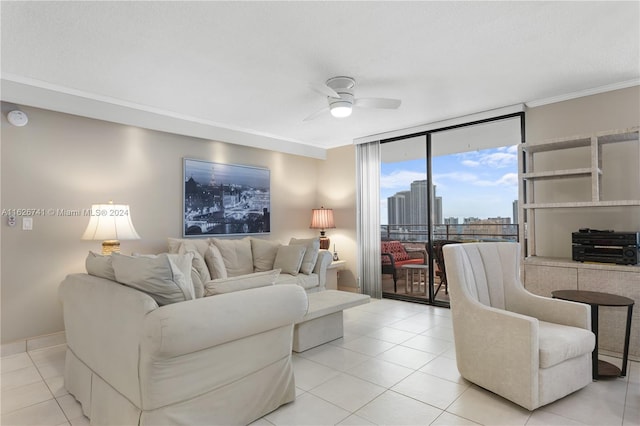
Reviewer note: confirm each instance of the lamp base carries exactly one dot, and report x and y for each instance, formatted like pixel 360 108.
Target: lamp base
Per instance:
pixel 110 246
pixel 324 243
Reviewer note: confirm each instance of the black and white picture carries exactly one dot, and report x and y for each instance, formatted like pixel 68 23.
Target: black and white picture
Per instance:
pixel 225 199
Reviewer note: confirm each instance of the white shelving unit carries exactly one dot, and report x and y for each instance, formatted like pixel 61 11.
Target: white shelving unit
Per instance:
pixel 593 171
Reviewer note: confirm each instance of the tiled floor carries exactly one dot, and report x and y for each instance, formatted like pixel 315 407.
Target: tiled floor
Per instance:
pixel 394 366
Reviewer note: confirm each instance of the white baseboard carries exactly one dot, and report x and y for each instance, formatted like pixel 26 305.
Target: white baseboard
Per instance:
pixel 33 343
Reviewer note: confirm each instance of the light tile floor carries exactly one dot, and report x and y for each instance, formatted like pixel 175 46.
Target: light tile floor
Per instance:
pixel 394 366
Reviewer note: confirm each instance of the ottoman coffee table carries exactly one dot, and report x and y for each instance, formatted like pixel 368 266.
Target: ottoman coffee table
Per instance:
pixel 323 321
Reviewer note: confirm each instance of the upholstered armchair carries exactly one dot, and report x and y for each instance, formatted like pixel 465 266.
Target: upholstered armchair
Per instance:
pixel 529 349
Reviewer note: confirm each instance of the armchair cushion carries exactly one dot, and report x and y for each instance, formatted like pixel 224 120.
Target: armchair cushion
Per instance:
pixel 559 343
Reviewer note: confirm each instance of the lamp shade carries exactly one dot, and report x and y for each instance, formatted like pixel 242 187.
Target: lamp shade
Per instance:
pixel 110 222
pixel 322 219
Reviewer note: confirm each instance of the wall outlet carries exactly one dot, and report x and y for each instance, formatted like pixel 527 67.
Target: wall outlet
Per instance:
pixel 27 223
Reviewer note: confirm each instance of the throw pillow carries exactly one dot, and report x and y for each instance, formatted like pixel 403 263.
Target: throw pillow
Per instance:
pixel 310 255
pixel 264 254
pixel 165 277
pixel 100 266
pixel 236 255
pixel 240 282
pixel 289 259
pixel 214 261
pixel 199 267
pixel 200 243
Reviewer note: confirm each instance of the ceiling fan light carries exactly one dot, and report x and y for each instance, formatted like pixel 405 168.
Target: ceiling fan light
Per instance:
pixel 341 109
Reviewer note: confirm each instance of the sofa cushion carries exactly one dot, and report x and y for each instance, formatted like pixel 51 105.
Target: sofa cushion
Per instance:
pixel 308 282
pixel 241 282
pixel 215 263
pixel 264 254
pixel 310 255
pixel 559 343
pixel 165 277
pixel 199 270
pixel 289 259
pixel 236 255
pixel 200 243
pixel 100 265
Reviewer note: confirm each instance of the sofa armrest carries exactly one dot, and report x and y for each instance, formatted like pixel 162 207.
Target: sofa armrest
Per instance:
pixel 187 327
pixel 103 325
pixel 324 260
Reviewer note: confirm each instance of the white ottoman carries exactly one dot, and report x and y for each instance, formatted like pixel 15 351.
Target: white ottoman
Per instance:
pixel 323 321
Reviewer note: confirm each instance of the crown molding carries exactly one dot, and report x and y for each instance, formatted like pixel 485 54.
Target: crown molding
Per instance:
pixel 582 93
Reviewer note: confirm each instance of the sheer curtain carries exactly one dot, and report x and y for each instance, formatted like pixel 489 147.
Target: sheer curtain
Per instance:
pixel 368 217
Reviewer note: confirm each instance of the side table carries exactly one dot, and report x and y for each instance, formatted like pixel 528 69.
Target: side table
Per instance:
pixel 333 270
pixel 597 299
pixel 410 271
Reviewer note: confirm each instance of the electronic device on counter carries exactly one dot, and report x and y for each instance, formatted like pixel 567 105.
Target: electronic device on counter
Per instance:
pixel 608 246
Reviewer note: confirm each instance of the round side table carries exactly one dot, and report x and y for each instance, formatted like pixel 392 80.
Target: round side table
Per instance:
pixel 597 299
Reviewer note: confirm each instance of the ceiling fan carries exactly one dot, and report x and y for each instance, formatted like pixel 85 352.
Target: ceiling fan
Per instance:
pixel 339 93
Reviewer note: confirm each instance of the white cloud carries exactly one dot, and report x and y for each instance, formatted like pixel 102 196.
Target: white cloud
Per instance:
pixel 499 160
pixel 400 179
pixel 509 179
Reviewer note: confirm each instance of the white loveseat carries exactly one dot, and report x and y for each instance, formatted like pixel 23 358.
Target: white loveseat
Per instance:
pixel 224 359
pixel 217 260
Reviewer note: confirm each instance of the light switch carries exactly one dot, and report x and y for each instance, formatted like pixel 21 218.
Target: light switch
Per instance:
pixel 27 223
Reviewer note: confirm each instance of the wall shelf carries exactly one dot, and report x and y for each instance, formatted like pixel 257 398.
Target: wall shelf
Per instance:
pixel 528 177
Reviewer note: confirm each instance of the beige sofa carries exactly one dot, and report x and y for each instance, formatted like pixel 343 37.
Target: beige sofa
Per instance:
pixel 224 359
pixel 300 262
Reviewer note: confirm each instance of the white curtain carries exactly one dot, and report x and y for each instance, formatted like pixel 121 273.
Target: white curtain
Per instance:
pixel 368 217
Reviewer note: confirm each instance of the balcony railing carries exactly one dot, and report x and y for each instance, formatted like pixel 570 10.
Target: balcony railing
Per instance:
pixel 463 232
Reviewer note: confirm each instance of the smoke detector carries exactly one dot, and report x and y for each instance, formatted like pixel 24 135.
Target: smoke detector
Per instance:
pixel 17 118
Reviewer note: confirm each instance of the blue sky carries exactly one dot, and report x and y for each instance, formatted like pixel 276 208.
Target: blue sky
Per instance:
pixel 478 183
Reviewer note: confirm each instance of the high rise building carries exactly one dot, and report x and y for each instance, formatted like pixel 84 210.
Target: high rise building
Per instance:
pixel 515 211
pixel 410 207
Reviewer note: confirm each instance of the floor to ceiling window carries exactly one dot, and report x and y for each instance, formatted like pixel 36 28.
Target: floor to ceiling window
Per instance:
pixel 455 184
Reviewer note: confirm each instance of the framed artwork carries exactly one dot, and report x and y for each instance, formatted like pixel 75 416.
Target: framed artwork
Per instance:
pixel 225 199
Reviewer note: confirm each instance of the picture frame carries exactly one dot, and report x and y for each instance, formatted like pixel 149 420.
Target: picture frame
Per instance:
pixel 225 199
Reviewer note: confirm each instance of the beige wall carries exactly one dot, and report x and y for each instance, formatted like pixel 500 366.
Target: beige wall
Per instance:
pixel 62 161
pixel 618 109
pixel 336 189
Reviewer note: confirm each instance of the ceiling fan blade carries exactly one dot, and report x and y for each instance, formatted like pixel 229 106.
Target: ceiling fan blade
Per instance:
pixel 377 103
pixel 325 90
pixel 317 114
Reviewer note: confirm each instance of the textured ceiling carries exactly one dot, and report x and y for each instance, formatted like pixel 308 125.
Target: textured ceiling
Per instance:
pixel 247 66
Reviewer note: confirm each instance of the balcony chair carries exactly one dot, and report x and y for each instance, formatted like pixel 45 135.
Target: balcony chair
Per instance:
pixel 529 349
pixel 441 272
pixel 395 255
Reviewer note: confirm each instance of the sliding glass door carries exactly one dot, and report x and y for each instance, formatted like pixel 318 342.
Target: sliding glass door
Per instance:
pixel 456 184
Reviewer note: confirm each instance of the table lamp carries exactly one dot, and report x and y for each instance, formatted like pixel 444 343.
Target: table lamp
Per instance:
pixel 110 223
pixel 322 219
